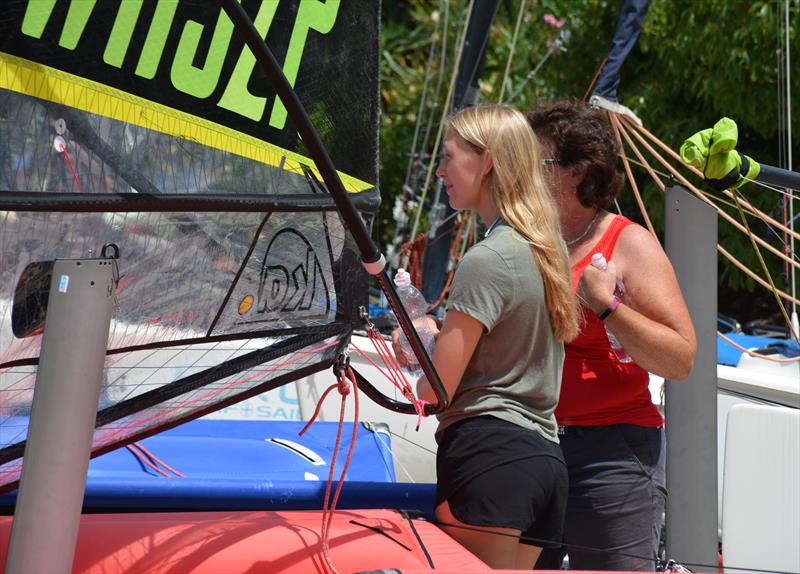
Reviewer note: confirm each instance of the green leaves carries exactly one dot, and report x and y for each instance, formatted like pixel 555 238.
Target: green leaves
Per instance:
pixel 696 61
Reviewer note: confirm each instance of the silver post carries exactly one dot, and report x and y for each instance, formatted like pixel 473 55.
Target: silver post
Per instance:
pixel 691 405
pixel 59 443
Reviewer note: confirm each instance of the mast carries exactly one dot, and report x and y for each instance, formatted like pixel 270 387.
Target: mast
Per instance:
pixel 467 92
pixel 790 197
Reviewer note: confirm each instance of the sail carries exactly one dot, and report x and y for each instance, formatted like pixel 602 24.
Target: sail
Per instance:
pixel 150 127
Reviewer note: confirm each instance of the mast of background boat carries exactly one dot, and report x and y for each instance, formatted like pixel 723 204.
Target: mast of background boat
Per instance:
pixel 467 91
pixel 372 259
pixel 790 197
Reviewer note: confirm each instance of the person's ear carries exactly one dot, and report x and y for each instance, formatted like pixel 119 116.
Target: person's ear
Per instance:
pixel 576 176
pixel 488 163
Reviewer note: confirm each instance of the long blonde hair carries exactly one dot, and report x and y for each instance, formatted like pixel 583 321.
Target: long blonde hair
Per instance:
pixel 520 194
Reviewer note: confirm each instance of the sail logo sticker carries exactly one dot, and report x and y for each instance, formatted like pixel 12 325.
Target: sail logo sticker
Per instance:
pixel 176 45
pixel 291 281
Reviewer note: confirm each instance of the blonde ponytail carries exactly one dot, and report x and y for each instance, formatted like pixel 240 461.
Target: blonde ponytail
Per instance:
pixel 521 196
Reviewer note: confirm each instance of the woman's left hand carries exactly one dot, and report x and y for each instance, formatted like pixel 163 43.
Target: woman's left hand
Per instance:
pixel 596 287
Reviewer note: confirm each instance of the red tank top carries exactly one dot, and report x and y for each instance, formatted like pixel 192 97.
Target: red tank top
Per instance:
pixel 596 388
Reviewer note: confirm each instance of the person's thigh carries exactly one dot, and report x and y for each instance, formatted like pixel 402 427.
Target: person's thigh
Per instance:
pixel 617 498
pixel 496 546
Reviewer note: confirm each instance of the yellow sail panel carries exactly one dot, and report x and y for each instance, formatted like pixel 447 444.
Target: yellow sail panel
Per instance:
pixel 40 81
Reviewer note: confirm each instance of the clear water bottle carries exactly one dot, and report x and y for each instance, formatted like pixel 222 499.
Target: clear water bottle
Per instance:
pixel 599 261
pixel 416 306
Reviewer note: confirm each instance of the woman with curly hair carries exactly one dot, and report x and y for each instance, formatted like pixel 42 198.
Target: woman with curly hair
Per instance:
pixel 611 433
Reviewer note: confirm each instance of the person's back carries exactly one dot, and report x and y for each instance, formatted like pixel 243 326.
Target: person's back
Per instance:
pixel 501 479
pixel 515 371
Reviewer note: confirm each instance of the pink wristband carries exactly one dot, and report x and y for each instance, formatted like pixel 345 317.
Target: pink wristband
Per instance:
pixel 610 309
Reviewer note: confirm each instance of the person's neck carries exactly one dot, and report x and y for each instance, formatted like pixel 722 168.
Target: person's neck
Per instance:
pixel 488 215
pixel 577 225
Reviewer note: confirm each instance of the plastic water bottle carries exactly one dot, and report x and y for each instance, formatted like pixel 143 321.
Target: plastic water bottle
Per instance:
pixel 416 307
pixel 599 261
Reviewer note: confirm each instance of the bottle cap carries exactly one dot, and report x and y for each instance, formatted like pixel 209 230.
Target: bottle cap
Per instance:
pixel 599 261
pixel 402 277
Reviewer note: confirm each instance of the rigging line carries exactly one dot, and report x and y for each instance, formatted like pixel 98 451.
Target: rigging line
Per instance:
pixel 736 345
pixel 145 462
pixel 445 111
pixel 422 101
pixel 788 254
pixel 637 128
pixel 757 212
pixel 747 271
pixel 440 76
pixel 408 440
pixel 522 4
pixel 697 192
pixel 594 79
pixel 788 193
pixel 770 229
pixel 766 272
pixel 557 44
pixel 631 179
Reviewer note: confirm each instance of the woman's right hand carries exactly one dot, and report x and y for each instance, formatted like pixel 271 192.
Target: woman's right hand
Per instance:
pixel 422 322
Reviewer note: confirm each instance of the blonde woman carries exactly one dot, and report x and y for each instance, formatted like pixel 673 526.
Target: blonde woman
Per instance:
pixel 501 478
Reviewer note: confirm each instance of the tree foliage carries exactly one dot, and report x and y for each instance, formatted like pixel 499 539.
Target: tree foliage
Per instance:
pixel 696 61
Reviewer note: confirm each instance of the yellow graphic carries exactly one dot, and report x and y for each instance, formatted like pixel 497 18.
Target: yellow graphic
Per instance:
pixel 246 304
pixel 39 81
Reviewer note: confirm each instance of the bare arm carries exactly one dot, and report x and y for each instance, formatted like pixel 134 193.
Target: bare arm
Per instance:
pixel 655 328
pixel 454 348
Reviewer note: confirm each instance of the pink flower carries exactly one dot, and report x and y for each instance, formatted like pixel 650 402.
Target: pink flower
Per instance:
pixel 553 22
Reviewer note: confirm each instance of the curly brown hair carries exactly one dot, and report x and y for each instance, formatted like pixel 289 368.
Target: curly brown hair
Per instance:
pixel 580 137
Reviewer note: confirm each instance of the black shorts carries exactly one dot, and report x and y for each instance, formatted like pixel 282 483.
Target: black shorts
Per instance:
pixel 496 473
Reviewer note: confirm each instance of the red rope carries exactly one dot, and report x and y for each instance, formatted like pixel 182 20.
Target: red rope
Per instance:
pixel 594 80
pixel 328 505
pixel 144 460
pixel 63 149
pixel 157 460
pixel 398 378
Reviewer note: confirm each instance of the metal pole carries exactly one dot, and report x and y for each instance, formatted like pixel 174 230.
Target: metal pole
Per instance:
pixel 778 177
pixel 790 198
pixel 691 405
pixel 59 443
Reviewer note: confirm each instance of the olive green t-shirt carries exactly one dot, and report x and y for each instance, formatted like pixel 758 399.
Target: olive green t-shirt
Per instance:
pixel 515 372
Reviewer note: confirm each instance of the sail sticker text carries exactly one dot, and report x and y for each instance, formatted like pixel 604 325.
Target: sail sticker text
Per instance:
pixel 199 53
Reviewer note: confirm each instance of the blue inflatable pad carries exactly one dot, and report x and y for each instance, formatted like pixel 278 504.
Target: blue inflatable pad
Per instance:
pixel 727 354
pixel 239 465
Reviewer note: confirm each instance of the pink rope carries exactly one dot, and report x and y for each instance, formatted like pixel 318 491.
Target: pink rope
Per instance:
pixel 63 149
pixel 328 505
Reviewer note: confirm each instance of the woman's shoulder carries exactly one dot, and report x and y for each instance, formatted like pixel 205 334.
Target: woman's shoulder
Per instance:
pixel 635 238
pixel 637 248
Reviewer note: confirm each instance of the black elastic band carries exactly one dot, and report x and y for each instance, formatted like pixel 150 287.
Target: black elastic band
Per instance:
pixel 605 313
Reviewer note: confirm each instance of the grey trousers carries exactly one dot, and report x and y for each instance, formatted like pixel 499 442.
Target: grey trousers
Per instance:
pixel 617 495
